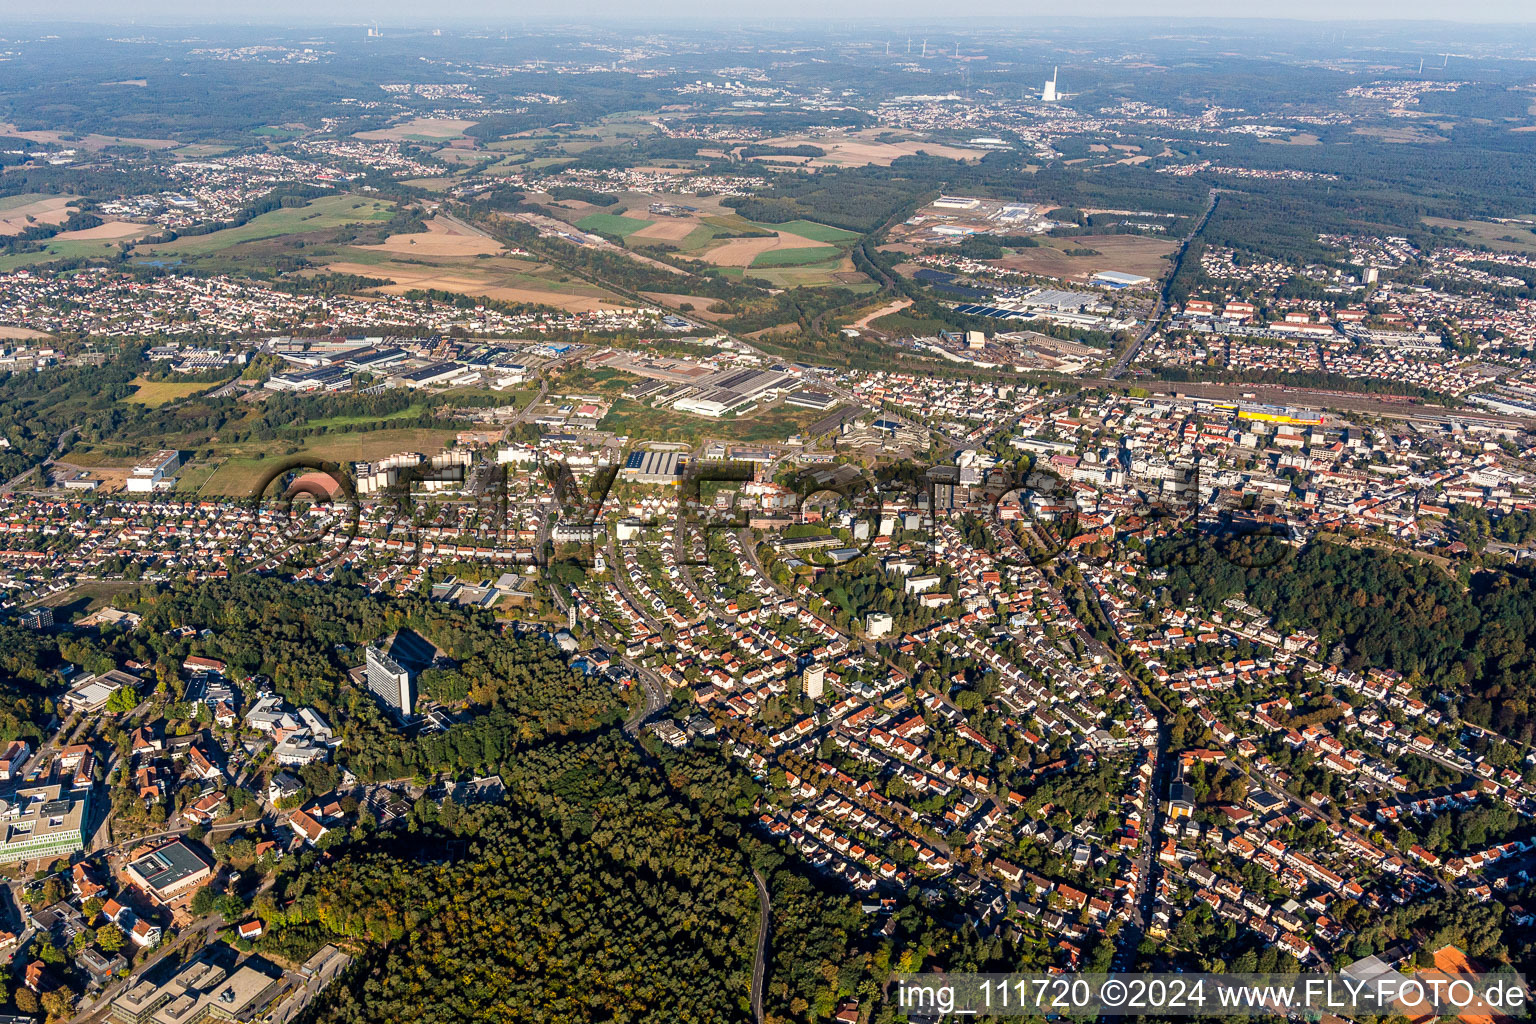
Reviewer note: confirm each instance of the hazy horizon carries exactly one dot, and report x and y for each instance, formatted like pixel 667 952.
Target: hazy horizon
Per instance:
pixel 615 11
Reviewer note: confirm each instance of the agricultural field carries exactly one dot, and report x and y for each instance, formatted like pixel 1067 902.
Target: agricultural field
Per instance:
pixel 108 231
pixel 793 254
pixel 59 248
pixel 420 129
pixel 1134 254
pixel 443 237
pixel 571 141
pixel 815 232
pixel 870 147
pixel 612 224
pixel 319 215
pixel 702 307
pixel 17 213
pixel 795 257
pixel 91 142
pixel 495 277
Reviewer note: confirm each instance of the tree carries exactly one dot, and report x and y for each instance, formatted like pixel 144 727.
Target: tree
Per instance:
pixel 58 1004
pixel 230 907
pixel 203 902
pixel 110 938
pixel 123 700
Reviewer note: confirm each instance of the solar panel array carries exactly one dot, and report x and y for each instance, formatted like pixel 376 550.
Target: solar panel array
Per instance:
pixel 997 312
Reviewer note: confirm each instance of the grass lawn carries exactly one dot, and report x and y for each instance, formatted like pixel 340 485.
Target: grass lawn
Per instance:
pixel 611 224
pixel 518 398
pixel 1505 237
pixel 84 598
pixel 330 212
pixel 642 423
pixel 66 249
pixel 796 257
pixel 901 323
pixel 89 456
pixel 159 392
pixel 330 422
pixel 816 275
pixel 191 478
pixel 244 468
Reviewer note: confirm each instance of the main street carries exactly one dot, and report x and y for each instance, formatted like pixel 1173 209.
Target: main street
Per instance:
pixel 760 958
pixel 1155 320
pixel 657 694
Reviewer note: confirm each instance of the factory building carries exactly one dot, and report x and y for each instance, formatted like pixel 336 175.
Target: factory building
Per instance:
pixel 653 467
pixel 1118 279
pixel 155 473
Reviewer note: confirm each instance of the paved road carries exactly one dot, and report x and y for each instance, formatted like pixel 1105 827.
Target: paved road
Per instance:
pixel 226 826
pixel 58 449
pixel 760 962
pixel 1162 298
pixel 657 694
pixel 190 941
pixel 1135 929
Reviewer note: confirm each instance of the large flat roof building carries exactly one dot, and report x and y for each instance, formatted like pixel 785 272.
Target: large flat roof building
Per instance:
pixel 43 822
pixel 168 871
pixel 1119 279
pixel 155 472
pixel 653 467
pixel 198 992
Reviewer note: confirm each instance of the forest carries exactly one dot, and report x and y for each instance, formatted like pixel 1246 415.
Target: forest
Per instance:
pixel 1474 642
pixel 594 893
pixel 613 882
pixel 515 689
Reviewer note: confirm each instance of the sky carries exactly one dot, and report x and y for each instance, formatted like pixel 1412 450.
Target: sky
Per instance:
pixel 414 12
